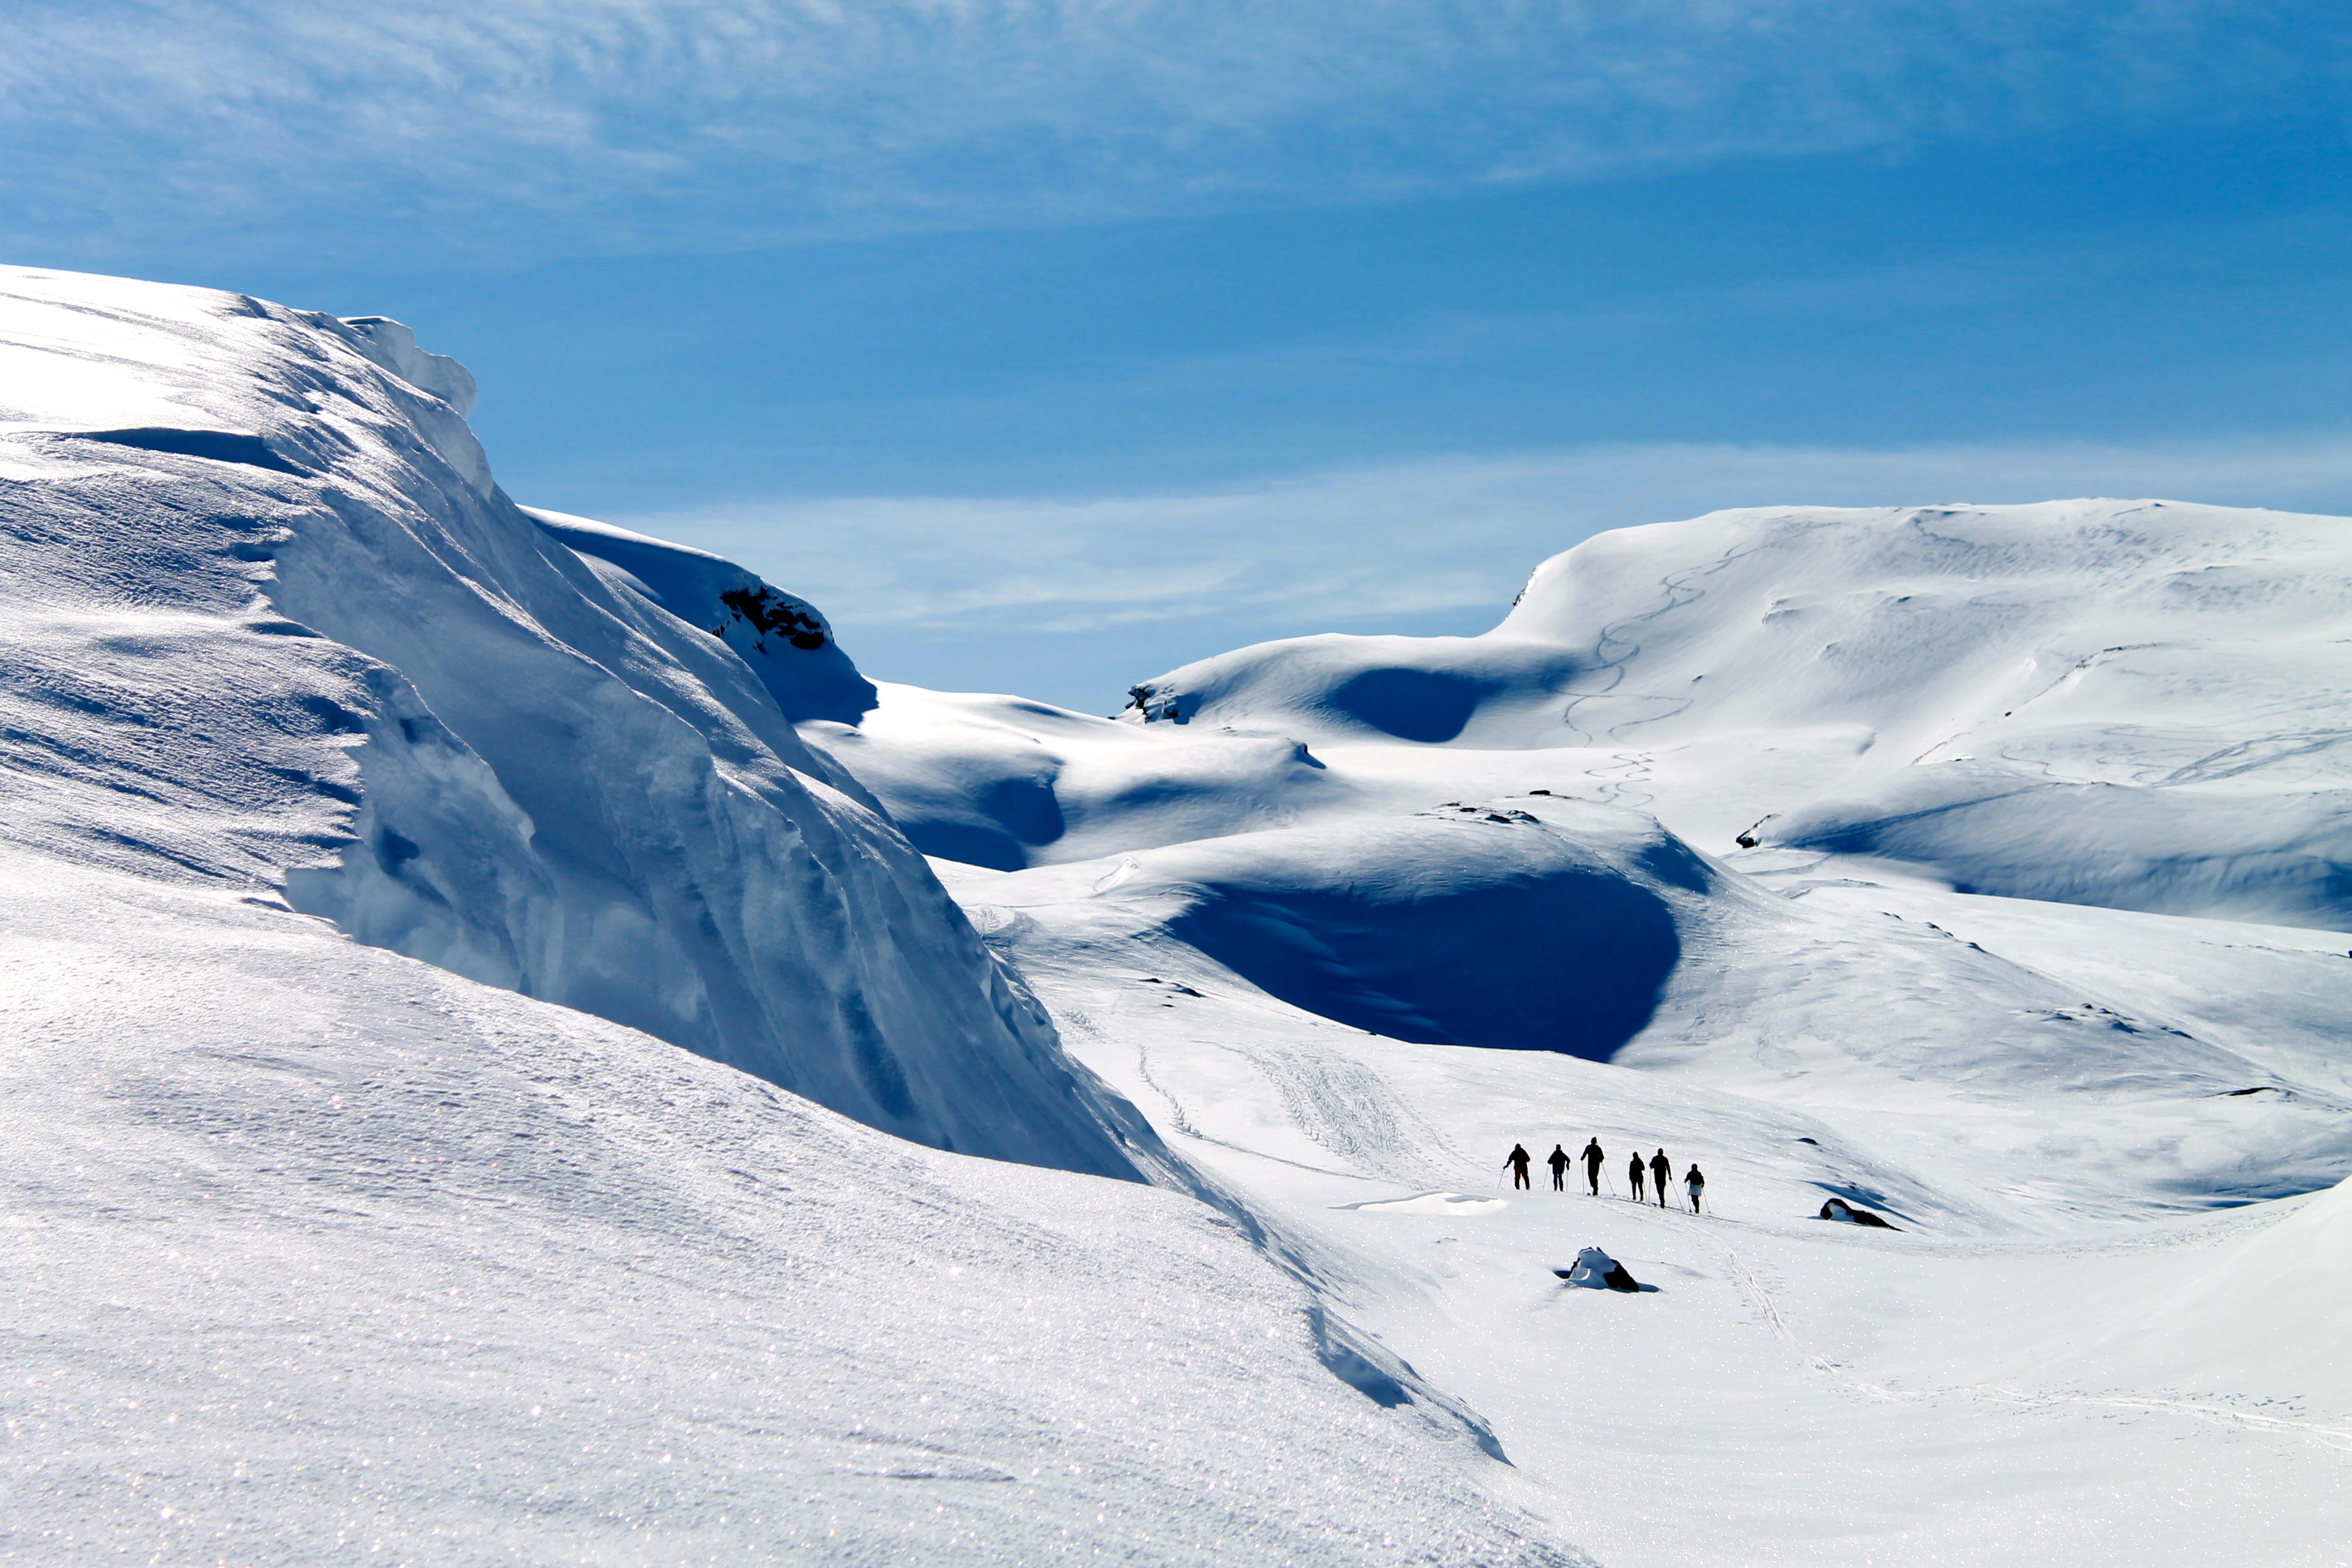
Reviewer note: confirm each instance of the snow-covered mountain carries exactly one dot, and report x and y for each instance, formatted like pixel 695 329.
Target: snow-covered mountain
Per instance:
pixel 1976 866
pixel 2142 704
pixel 270 619
pixel 1494 841
pixel 370 845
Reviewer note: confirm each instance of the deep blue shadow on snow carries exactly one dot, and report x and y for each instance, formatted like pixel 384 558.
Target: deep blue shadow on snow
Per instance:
pixel 216 446
pixel 1571 963
pixel 1426 705
pixel 996 827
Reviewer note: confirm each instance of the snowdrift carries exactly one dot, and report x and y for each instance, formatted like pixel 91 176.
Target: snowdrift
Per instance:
pixel 2270 1316
pixel 1453 927
pixel 1004 782
pixel 2141 704
pixel 329 1254
pixel 271 622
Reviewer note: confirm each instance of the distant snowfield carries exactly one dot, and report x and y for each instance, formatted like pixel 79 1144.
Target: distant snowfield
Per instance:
pixel 372 846
pixel 1701 846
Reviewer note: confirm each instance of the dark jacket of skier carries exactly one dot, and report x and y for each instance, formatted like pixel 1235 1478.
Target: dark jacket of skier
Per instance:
pixel 1661 1172
pixel 1697 1185
pixel 1518 1160
pixel 1558 1161
pixel 1592 1158
pixel 1633 1174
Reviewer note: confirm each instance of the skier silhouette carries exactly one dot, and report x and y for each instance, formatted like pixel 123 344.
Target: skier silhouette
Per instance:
pixel 1559 1164
pixel 1663 1171
pixel 1518 1160
pixel 1633 1175
pixel 1697 1185
pixel 1592 1158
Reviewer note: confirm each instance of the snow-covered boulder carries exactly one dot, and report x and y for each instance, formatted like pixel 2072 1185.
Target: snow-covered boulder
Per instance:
pixel 271 622
pixel 1596 1270
pixel 1847 1213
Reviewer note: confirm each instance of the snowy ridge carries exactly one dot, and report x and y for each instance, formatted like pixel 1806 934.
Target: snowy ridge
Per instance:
pixel 786 641
pixel 274 622
pixel 2143 704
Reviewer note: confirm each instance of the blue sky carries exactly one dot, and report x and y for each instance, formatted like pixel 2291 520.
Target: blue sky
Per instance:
pixel 1048 345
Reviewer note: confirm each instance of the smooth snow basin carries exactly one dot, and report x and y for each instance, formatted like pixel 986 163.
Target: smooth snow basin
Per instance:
pixel 1433 1203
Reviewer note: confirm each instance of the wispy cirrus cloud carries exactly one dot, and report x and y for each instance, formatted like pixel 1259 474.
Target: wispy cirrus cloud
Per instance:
pixel 1349 547
pixel 532 126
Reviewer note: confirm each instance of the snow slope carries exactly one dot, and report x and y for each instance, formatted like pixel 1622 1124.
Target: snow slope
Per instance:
pixel 2034 947
pixel 2135 704
pixel 2142 704
pixel 2051 1361
pixel 320 1255
pixel 1295 902
pixel 270 620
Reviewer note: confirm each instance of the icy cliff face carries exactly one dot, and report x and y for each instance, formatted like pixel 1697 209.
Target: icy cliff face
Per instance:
pixel 272 620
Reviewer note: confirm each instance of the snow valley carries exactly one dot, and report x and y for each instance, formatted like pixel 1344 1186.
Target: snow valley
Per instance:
pixel 521 1051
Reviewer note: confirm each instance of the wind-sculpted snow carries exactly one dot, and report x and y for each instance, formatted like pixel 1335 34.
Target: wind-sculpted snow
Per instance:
pixel 1589 931
pixel 271 621
pixel 321 1252
pixel 1445 928
pixel 788 644
pixel 2146 705
pixel 320 1255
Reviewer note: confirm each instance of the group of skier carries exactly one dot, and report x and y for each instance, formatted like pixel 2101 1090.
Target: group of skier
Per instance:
pixel 1658 1172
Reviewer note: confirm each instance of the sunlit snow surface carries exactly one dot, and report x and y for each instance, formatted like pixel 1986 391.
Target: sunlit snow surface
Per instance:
pixel 320 1253
pixel 317 1254
pixel 1349 917
pixel 327 1250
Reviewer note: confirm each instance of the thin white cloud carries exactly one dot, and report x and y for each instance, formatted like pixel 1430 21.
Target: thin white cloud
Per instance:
pixel 563 125
pixel 1349 547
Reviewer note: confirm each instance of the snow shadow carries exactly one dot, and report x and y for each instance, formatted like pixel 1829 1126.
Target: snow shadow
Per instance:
pixel 1431 706
pixel 1570 961
pixel 214 445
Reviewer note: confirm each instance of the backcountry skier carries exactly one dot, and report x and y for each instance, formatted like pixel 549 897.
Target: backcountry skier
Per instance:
pixel 1661 1172
pixel 1697 1185
pixel 1558 1161
pixel 1518 1160
pixel 1592 1158
pixel 1633 1175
